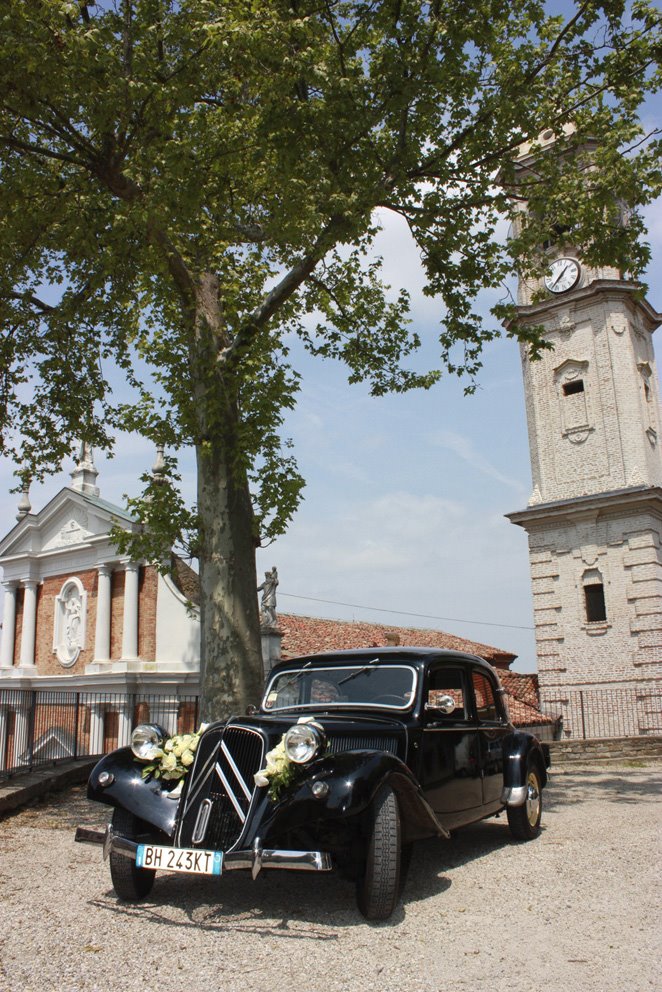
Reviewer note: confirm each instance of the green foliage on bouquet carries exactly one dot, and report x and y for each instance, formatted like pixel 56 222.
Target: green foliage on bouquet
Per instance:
pixel 173 760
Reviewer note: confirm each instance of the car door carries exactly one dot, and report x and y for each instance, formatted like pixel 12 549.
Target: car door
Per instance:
pixel 450 765
pixel 492 726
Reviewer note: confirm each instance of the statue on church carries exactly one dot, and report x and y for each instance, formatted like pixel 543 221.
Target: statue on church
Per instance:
pixel 268 602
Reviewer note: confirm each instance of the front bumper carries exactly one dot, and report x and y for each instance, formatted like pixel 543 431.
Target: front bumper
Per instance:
pixel 254 859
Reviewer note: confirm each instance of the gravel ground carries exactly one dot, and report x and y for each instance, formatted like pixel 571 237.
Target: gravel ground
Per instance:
pixel 577 908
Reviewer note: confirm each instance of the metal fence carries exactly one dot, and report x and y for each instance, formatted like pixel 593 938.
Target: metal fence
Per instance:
pixel 606 713
pixel 44 727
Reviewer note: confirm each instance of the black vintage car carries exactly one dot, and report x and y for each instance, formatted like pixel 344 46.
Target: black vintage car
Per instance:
pixel 350 758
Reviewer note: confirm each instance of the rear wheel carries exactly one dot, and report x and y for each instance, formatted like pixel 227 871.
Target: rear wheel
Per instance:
pixel 378 887
pixel 130 883
pixel 524 821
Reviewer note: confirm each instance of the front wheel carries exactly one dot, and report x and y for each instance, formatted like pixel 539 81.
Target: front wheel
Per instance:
pixel 524 821
pixel 378 886
pixel 130 882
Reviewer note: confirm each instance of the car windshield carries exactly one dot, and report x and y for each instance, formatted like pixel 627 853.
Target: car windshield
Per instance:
pixel 365 685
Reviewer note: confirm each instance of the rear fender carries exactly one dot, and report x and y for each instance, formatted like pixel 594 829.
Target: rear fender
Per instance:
pixel 145 798
pixel 353 778
pixel 519 749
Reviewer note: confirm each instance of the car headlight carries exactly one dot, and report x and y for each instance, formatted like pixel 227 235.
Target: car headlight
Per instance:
pixel 146 740
pixel 303 742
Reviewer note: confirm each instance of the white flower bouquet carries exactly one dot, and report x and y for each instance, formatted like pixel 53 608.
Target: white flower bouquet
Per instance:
pixel 173 760
pixel 279 771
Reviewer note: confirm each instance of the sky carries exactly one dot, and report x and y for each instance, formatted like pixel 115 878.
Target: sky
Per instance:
pixel 402 521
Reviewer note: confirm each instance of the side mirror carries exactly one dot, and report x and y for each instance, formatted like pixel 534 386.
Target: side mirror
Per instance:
pixel 442 704
pixel 251 710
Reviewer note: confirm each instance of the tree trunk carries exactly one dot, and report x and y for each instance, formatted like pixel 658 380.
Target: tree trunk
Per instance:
pixel 231 668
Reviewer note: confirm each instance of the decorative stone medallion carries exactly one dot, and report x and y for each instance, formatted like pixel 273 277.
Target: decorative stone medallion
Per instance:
pixel 70 614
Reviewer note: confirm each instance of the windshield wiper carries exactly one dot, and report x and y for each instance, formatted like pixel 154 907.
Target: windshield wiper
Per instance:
pixel 294 676
pixel 360 671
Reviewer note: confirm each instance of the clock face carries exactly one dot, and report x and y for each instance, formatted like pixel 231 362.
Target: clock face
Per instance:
pixel 563 275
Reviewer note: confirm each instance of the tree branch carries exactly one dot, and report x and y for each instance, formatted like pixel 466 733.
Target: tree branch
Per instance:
pixel 286 288
pixel 39 150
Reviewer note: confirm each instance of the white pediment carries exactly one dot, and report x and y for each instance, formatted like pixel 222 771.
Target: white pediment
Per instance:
pixel 70 527
pixel 71 520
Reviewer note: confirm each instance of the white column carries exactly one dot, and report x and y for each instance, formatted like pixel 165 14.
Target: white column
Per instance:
pixel 102 633
pixel 96 727
pixel 8 626
pixel 29 622
pixel 130 628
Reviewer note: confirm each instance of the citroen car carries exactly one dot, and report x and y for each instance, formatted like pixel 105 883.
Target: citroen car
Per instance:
pixel 349 759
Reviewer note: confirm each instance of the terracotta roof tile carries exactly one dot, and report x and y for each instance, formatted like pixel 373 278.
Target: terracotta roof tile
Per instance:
pixel 310 635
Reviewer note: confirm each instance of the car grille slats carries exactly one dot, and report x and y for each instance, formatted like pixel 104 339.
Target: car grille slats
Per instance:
pixel 362 742
pixel 223 777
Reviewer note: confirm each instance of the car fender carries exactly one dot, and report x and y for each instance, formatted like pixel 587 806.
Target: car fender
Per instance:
pixel 519 749
pixel 127 789
pixel 353 779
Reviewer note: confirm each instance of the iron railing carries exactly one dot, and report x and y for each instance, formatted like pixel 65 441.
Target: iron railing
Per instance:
pixel 44 727
pixel 588 714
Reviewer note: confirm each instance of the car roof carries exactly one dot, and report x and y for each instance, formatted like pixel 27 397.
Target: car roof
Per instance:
pixel 387 655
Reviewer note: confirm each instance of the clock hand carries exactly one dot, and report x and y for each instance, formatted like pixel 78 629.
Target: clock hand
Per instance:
pixel 561 274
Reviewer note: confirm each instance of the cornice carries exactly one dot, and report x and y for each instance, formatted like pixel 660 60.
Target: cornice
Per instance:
pixel 539 312
pixel 632 500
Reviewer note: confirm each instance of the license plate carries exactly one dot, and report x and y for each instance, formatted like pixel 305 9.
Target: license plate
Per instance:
pixel 185 859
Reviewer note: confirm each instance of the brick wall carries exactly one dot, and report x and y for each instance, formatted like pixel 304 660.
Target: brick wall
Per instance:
pixel 47 592
pixel 147 592
pixel 20 599
pixel 45 659
pixel 116 613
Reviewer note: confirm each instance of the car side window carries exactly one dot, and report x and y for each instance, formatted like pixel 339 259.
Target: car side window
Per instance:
pixel 487 708
pixel 447 682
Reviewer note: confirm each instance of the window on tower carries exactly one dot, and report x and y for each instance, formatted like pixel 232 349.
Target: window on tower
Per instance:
pixel 594 597
pixel 575 386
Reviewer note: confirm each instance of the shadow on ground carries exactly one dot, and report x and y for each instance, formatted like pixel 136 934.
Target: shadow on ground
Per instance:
pixel 613 785
pixel 237 903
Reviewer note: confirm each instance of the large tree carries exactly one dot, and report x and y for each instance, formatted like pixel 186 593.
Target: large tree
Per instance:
pixel 187 183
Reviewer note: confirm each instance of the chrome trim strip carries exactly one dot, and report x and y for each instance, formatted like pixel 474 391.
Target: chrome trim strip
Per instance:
pixel 286 860
pixel 118 845
pixel 332 707
pixel 464 729
pixel 514 795
pixel 237 774
pixel 202 819
pixel 231 796
pixel 199 778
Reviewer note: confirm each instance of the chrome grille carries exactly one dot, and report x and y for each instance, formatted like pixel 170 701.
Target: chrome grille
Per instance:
pixel 223 777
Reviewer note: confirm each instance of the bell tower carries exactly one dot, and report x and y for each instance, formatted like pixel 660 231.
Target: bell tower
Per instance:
pixel 594 519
